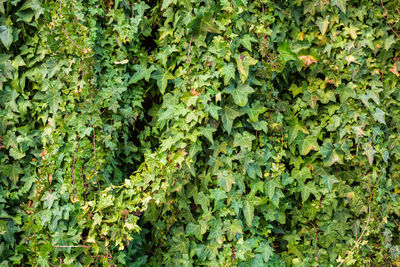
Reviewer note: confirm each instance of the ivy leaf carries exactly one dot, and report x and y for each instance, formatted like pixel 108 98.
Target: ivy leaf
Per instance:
pixel 379 115
pixel 16 154
pixel 389 41
pixel 96 219
pixel 240 94
pixel 308 60
pixel 49 199
pixel 331 155
pixel 244 61
pixel 329 180
pixel 230 113
pixel 307 189
pixel 225 180
pixel 213 110
pixel 228 71
pixel 217 194
pixel 301 175
pixel 248 212
pixel 266 251
pixel 167 3
pixel 322 24
pixel 6 35
pixel 207 132
pixel 13 172
pixel 369 151
pixel 270 186
pixel 255 110
pixel 246 41
pixel 162 80
pixel 341 4
pixel 234 229
pixel 203 201
pixel 286 53
pixel 243 140
pixel 202 24
pixel 295 89
pixel 306 144
pixel 194 230
pixel 346 91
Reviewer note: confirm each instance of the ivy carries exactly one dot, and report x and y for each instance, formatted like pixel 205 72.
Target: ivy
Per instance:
pixel 181 133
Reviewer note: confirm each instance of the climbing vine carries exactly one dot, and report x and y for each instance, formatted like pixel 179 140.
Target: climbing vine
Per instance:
pixel 189 133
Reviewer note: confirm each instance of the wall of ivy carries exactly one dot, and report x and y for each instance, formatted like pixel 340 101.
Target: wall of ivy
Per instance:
pixel 199 133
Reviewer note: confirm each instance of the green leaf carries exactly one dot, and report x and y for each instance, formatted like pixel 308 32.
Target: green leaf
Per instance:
pixel 306 144
pixel 307 189
pixel 301 175
pixel 96 219
pixel 329 180
pixel 13 172
pixel 322 24
pixel 228 71
pixel 286 53
pixel 225 180
pixel 379 115
pixel 17 155
pixel 389 41
pixel 167 3
pixel 49 199
pixel 346 91
pixel 256 109
pixel 240 94
pixel 203 201
pixel 246 41
pixel 234 229
pixel 244 61
pixel 295 89
pixel 248 212
pixel 369 151
pixel 243 140
pixel 341 4
pixel 230 113
pixel 6 35
pixel 194 230
pixel 266 251
pixel 330 154
pixel 217 194
pixel 207 132
pixel 162 80
pixel 203 24
pixel 270 186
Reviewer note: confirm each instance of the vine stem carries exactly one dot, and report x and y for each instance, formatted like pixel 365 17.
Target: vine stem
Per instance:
pixel 190 48
pixel 265 39
pixel 76 246
pixel 315 242
pixel 386 17
pixel 364 229
pixel 65 32
pixel 73 168
pixel 94 147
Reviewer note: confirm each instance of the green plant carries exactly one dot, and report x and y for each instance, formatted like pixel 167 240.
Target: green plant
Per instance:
pixel 180 133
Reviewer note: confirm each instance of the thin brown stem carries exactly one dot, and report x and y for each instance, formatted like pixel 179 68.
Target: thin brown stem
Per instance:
pixel 190 48
pixel 283 12
pixel 94 147
pixel 315 242
pixel 73 168
pixel 364 229
pixel 386 18
pixel 76 246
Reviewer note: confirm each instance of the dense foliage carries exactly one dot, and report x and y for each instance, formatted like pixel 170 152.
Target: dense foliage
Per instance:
pixel 181 133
